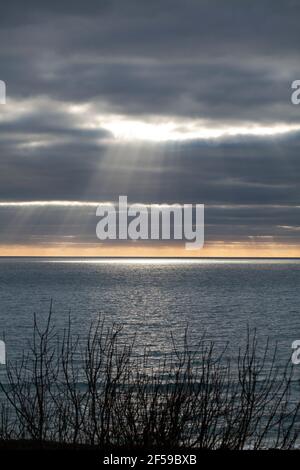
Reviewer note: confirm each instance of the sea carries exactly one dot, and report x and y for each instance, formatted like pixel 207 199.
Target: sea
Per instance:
pixel 154 300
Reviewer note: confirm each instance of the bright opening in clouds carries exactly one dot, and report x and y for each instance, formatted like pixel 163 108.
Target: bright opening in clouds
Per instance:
pixel 130 131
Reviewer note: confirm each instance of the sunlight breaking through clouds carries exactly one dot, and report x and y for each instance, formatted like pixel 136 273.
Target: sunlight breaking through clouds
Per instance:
pixel 123 128
pixel 133 130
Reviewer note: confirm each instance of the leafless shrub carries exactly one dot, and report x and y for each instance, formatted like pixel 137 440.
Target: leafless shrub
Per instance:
pixel 97 391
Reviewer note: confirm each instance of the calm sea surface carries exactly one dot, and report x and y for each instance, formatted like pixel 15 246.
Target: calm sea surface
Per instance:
pixel 152 298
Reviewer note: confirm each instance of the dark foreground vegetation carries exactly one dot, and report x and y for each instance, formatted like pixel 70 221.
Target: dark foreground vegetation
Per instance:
pixel 97 391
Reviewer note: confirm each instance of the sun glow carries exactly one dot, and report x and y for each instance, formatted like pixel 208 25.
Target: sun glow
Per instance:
pixel 124 129
pixel 211 250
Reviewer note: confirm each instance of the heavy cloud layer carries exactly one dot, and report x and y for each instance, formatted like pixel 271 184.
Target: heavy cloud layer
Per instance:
pixel 69 65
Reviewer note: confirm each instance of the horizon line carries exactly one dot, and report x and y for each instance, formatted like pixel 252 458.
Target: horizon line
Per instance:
pixel 160 257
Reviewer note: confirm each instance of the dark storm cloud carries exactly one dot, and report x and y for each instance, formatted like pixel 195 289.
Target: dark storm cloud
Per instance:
pixel 225 92
pixel 48 154
pixel 227 62
pixel 77 225
pixel 234 61
pixel 50 122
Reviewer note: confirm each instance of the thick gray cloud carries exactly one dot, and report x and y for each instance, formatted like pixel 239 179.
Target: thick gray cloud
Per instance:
pixel 230 61
pixel 227 62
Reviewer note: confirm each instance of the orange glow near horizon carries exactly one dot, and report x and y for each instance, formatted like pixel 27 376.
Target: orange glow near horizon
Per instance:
pixel 212 250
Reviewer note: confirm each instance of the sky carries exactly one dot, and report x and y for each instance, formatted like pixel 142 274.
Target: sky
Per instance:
pixel 163 101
